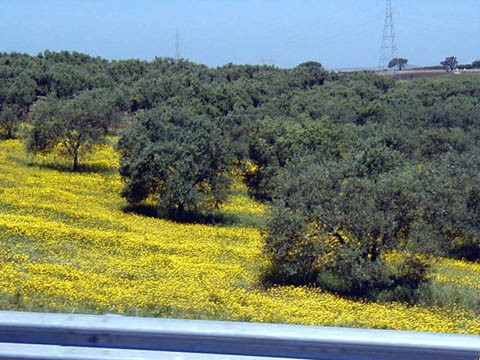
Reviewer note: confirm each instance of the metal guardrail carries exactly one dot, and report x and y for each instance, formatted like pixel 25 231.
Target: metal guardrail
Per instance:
pixel 54 352
pixel 78 337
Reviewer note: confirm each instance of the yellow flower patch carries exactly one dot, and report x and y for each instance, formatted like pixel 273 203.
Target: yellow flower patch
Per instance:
pixel 66 245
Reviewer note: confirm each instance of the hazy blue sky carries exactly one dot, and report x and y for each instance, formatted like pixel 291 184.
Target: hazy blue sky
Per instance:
pixel 337 33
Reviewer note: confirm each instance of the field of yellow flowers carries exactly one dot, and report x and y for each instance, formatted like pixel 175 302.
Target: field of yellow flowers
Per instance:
pixel 68 244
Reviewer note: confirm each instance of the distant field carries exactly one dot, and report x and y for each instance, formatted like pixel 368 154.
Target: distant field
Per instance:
pixel 419 74
pixel 68 244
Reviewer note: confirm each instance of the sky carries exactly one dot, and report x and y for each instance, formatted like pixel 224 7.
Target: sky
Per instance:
pixel 339 34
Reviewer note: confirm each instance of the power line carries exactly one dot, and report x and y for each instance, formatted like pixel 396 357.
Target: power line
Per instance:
pixel 177 45
pixel 388 49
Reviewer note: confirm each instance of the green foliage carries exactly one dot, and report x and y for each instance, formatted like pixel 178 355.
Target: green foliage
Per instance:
pixel 72 126
pixel 476 64
pixel 389 168
pixel 308 74
pixel 370 112
pixel 335 223
pixel 450 63
pixel 67 80
pixel 443 294
pixel 21 94
pixel 104 107
pixel 178 158
pixel 276 141
pixel 338 223
pixel 8 122
pixel 399 62
pixel 451 204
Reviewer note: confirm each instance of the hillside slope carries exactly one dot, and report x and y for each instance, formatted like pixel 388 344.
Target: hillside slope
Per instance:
pixel 68 245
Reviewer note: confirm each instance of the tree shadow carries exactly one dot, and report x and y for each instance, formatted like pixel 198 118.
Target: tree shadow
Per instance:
pixel 469 252
pixel 188 217
pixel 141 209
pixel 67 167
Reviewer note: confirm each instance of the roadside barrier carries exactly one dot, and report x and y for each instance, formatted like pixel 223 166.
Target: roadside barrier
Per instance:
pixel 46 336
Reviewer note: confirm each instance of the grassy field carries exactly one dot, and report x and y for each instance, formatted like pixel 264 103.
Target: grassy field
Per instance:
pixel 69 243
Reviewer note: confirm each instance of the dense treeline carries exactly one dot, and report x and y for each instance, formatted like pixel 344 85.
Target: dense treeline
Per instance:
pixel 367 176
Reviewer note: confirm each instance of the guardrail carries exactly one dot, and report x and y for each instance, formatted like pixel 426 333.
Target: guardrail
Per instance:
pixel 77 337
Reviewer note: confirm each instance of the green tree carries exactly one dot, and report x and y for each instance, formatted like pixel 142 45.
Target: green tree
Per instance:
pixel 308 74
pixel 8 122
pixel 72 126
pixel 104 107
pixel 451 204
pixel 450 63
pixel 68 80
pixel 21 95
pixel 476 64
pixel 180 159
pixel 348 226
pixel 399 62
pixel 276 141
pixel 370 112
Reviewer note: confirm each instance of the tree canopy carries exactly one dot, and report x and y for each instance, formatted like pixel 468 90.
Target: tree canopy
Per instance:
pixel 450 63
pixel 178 158
pixel 8 122
pixel 72 126
pixel 367 175
pixel 399 62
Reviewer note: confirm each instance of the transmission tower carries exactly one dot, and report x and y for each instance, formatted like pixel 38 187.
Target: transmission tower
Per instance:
pixel 177 45
pixel 266 61
pixel 388 50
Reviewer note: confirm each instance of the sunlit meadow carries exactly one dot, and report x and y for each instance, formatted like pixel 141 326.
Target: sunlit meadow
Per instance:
pixel 68 244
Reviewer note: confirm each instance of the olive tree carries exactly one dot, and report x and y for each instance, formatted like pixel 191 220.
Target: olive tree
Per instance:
pixel 8 122
pixel 72 126
pixel 179 159
pixel 349 226
pixel 277 140
pixel 451 204
pixel 21 94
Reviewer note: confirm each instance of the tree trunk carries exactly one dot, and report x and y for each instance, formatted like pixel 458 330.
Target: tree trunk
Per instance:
pixel 75 161
pixel 180 212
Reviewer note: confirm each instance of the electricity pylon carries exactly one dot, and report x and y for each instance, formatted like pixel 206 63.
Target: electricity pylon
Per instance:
pixel 177 45
pixel 388 50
